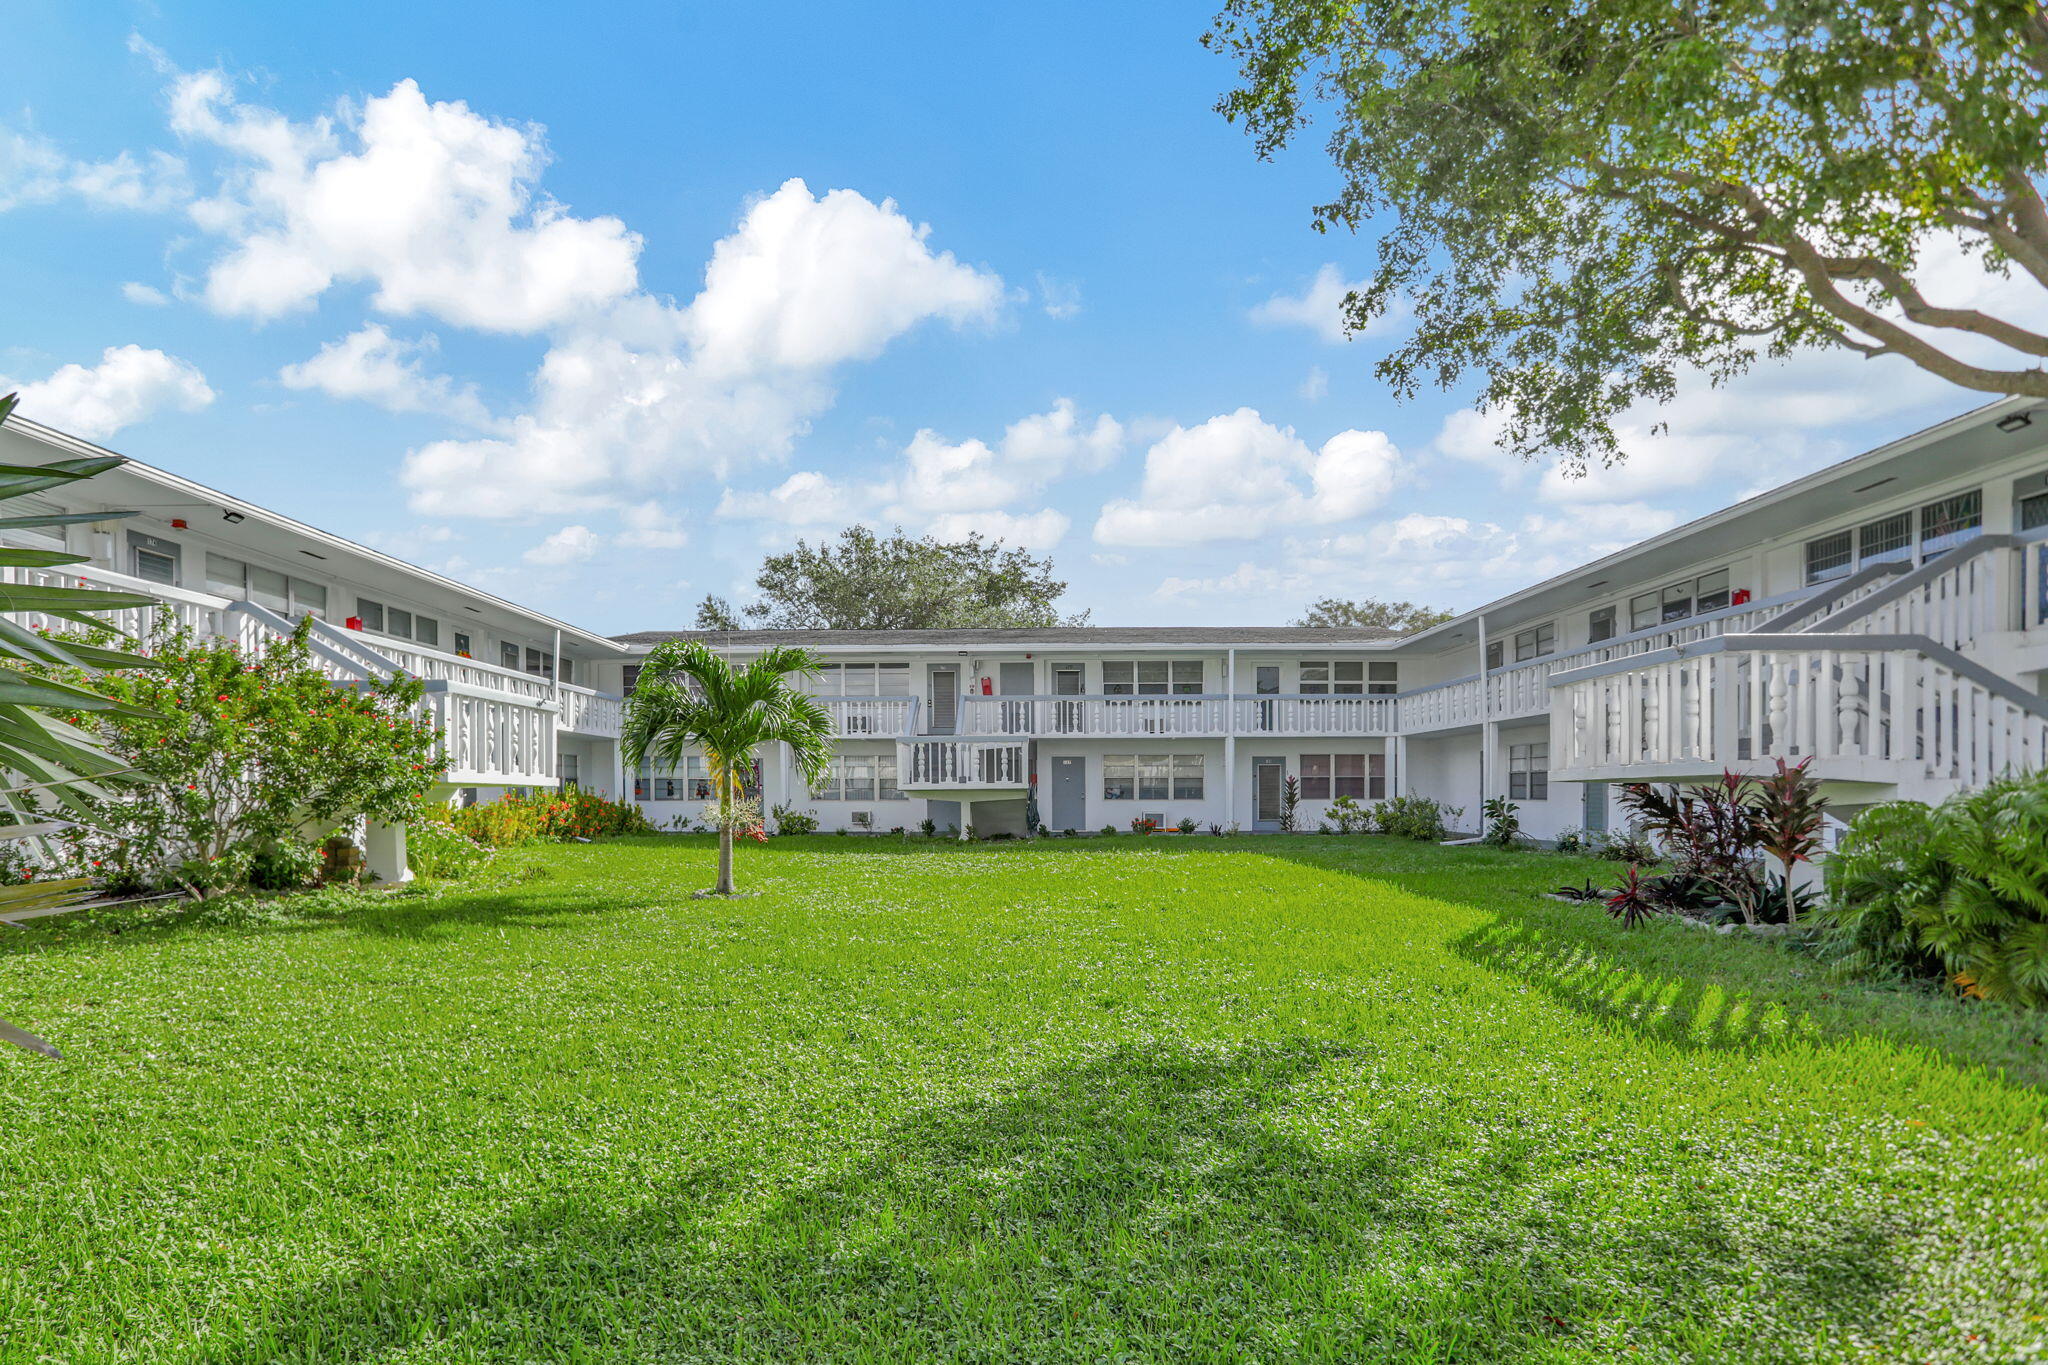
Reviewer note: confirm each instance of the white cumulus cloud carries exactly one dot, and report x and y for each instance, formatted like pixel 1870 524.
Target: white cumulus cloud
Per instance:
pixel 373 366
pixel 1320 308
pixel 129 384
pixel 1237 476
pixel 570 545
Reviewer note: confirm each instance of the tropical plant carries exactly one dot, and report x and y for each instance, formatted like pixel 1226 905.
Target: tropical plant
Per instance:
pixel 1290 799
pixel 1570 841
pixel 1959 890
pixel 1789 815
pixel 1713 830
pixel 690 700
pixel 1185 825
pixel 248 752
pixel 1503 822
pixel 1628 845
pixel 1631 903
pixel 51 765
pixel 1584 892
pixel 437 850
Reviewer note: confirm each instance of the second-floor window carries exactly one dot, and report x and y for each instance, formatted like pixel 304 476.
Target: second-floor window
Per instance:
pixel 280 592
pixel 400 623
pixel 1677 601
pixel 1151 677
pixel 1600 625
pixel 152 559
pixel 1943 524
pixel 1535 642
pixel 862 680
pixel 1950 522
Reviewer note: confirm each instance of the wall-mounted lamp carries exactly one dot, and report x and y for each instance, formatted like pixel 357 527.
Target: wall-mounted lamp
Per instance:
pixel 2015 421
pixel 232 518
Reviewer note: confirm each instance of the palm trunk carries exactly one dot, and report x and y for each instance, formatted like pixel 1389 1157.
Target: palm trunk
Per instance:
pixel 725 886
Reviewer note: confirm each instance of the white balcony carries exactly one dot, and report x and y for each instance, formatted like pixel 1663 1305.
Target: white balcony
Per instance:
pixel 1895 715
pixel 962 769
pixel 870 717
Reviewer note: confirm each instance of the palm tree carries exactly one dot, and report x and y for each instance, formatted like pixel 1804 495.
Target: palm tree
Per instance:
pixel 689 699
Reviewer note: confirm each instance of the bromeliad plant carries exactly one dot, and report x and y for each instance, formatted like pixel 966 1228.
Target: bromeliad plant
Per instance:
pixel 690 701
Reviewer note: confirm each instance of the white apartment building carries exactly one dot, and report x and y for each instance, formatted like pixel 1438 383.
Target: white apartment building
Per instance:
pixel 1886 617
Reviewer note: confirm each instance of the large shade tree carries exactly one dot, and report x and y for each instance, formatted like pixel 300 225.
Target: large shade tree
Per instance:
pixel 863 581
pixel 49 766
pixel 691 701
pixel 1405 617
pixel 1581 201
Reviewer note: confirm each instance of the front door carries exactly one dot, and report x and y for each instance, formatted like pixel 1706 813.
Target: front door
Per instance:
pixel 1069 809
pixel 1269 779
pixel 1014 680
pixel 1596 807
pixel 1066 682
pixel 942 703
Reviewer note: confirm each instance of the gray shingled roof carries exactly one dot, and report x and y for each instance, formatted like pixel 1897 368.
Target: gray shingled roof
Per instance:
pixel 1048 635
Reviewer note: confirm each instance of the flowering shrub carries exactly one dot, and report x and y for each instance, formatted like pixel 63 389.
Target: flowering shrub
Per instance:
pixel 434 848
pixel 526 817
pixel 247 756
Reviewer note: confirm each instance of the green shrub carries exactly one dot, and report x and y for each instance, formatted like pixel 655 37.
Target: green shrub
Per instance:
pixel 437 850
pixel 1959 891
pixel 1503 822
pixel 1349 815
pixel 790 820
pixel 1416 817
pixel 541 816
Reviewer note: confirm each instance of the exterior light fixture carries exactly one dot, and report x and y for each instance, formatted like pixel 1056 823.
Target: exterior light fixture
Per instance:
pixel 2014 421
pixel 232 518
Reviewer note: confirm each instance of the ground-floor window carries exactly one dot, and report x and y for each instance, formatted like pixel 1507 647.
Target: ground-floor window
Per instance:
pixel 693 783
pixel 565 769
pixel 1152 777
pixel 1361 777
pixel 1529 772
pixel 859 777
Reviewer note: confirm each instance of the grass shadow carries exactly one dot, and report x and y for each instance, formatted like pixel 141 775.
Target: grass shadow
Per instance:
pixel 1166 1202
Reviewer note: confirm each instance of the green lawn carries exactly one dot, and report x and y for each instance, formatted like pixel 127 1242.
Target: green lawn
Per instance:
pixel 1285 1099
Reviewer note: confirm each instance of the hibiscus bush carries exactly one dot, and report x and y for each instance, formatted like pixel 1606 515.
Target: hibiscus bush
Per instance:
pixel 251 760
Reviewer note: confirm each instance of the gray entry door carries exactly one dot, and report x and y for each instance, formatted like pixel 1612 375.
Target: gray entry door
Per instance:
pixel 1014 680
pixel 1069 809
pixel 943 703
pixel 1596 807
pixel 1268 778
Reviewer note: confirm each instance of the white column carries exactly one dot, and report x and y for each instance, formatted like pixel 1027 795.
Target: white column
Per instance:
pixel 1397 762
pixel 384 852
pixel 1230 738
pixel 966 818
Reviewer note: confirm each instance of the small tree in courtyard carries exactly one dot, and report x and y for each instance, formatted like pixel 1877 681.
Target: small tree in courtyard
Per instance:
pixel 253 756
pixel 689 700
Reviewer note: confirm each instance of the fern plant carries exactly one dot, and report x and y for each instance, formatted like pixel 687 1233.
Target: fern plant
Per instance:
pixel 1959 891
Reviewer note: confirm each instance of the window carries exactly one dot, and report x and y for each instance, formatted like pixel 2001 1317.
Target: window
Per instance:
pixel 1321 677
pixel 1677 601
pixel 151 559
pixel 565 768
pixel 1600 625
pixel 862 680
pixel 41 537
pixel 462 644
pixel 398 622
pixel 1152 777
pixel 267 588
pixel 885 778
pixel 1383 679
pixel 1324 776
pixel 371 614
pixel 2033 512
pixel 1885 539
pixel 629 678
pixel 1951 521
pixel 508 654
pixel 858 777
pixel 540 662
pixel 1535 642
pixel 1830 557
pixel 427 631
pixel 1494 655
pixel 1151 677
pixel 1529 772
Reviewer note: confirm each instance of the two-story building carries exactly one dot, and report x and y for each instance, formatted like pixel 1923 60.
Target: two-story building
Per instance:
pixel 1885 617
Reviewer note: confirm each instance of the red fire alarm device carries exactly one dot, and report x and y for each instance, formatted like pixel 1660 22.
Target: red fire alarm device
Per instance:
pixel 1741 596
pixel 987 687
pixel 178 523
pixel 354 623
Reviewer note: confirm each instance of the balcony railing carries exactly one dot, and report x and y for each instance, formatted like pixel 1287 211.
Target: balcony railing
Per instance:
pixel 960 764
pixel 872 717
pixel 1877 708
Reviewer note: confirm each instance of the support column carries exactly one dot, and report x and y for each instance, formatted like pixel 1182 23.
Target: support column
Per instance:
pixel 1230 737
pixel 1489 742
pixel 966 818
pixel 1397 763
pixel 384 852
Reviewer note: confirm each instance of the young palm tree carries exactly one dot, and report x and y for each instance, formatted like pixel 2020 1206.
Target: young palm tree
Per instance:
pixel 689 699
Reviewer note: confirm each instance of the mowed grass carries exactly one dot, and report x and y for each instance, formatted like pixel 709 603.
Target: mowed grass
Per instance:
pixel 1114 1100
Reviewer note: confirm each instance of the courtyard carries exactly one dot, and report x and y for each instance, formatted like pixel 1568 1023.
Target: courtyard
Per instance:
pixel 1170 1099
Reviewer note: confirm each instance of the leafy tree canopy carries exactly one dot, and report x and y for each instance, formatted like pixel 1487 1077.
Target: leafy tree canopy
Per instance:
pixel 1406 617
pixel 863 581
pixel 1590 196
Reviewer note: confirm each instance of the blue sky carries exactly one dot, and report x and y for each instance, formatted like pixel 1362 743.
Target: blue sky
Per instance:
pixel 593 313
